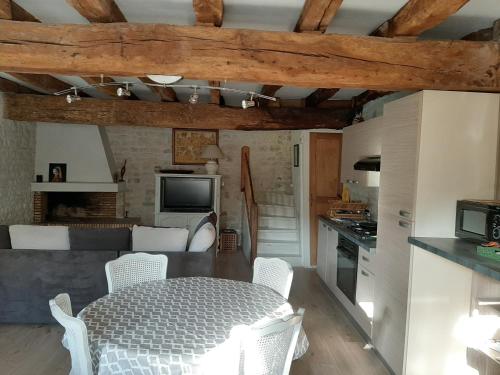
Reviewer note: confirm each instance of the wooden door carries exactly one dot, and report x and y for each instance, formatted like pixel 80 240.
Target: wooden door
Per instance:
pixel 325 151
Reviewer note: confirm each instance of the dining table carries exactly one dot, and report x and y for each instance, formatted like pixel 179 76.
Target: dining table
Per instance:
pixel 178 326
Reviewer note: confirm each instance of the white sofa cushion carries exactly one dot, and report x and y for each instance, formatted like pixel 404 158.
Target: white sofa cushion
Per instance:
pixel 39 237
pixel 203 238
pixel 159 239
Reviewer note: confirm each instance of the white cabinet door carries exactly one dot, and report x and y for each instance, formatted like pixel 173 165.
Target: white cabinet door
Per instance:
pixel 321 267
pixel 331 259
pixel 365 294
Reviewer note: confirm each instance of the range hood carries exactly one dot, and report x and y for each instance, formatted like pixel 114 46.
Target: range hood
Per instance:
pixel 371 163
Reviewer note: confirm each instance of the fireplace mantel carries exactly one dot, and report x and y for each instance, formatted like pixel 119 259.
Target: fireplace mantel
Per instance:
pixel 76 187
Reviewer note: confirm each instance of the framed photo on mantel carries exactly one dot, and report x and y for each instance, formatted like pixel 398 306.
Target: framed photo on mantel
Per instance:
pixel 187 145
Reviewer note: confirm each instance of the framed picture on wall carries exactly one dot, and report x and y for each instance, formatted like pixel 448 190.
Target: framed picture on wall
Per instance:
pixel 57 172
pixel 296 155
pixel 187 145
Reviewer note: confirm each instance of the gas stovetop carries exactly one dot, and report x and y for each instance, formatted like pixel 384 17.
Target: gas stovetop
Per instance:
pixel 363 230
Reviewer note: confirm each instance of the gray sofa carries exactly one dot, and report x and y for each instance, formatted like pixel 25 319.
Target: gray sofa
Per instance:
pixel 29 278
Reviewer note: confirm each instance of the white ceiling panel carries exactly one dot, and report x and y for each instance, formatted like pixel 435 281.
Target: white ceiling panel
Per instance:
pixel 276 15
pixel 173 12
pixel 293 92
pixel 347 93
pixel 361 17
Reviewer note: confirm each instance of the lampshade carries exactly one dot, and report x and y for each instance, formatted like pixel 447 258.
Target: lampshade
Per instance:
pixel 211 152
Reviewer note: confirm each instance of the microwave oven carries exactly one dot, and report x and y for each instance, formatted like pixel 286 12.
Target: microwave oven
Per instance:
pixel 478 220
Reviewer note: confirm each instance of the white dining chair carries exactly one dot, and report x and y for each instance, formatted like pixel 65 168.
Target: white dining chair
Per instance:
pixel 267 349
pixel 131 269
pixel 76 339
pixel 274 273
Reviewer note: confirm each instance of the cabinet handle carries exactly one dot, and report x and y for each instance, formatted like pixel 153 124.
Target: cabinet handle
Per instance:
pixel 365 273
pixel 404 213
pixel 403 224
pixel 365 258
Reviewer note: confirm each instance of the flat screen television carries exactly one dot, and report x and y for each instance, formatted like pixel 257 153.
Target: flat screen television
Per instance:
pixel 186 194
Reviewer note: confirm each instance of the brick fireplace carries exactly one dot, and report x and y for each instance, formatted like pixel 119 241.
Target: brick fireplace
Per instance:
pixel 63 206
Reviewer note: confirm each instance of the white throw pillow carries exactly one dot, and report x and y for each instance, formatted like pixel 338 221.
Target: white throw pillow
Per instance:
pixel 39 237
pixel 159 239
pixel 203 238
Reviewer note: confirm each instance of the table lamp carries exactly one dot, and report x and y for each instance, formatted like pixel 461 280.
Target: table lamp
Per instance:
pixel 211 153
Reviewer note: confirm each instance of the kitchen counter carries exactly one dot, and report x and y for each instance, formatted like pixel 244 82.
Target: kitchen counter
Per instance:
pixel 339 227
pixel 459 251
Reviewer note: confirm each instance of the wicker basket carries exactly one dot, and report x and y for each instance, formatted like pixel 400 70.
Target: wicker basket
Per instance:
pixel 228 241
pixel 337 207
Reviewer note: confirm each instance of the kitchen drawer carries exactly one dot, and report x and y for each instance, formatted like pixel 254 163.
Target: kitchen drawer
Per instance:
pixel 366 259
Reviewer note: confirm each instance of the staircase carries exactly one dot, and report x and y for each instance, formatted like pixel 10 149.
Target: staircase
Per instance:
pixel 278 234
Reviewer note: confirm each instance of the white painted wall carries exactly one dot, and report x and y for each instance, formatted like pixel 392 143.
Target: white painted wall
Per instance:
pixel 81 147
pixel 17 160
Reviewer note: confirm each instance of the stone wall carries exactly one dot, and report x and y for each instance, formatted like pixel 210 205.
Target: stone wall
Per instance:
pixel 17 163
pixel 146 148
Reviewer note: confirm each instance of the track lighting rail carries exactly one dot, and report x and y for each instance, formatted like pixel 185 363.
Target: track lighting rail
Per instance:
pixel 124 90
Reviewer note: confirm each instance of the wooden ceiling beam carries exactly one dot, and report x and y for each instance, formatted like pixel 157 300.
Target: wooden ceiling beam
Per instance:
pixel 483 35
pixel 10 86
pixel 319 96
pixel 44 83
pixel 5 10
pixel 317 15
pixel 98 11
pixel 167 115
pixel 367 96
pixel 277 58
pixel 107 11
pixel 417 16
pixel 209 12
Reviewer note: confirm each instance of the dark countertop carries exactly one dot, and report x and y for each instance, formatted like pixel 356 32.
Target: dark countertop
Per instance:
pixel 459 251
pixel 339 227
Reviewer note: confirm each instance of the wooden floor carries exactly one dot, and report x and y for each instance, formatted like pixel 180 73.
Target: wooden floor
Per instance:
pixel 336 347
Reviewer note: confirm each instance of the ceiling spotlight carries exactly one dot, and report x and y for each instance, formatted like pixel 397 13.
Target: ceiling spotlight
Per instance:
pixel 248 103
pixel 123 91
pixel 164 80
pixel 70 98
pixel 193 99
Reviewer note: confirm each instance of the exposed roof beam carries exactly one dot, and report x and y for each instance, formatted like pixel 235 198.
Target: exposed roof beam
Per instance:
pixel 98 11
pixel 277 58
pixel 417 16
pixel 9 86
pixel 209 12
pixel 106 11
pixel 490 33
pixel 5 10
pixel 317 15
pixel 167 115
pixel 319 96
pixel 43 82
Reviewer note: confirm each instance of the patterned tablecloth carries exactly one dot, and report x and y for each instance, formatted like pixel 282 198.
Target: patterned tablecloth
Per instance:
pixel 177 326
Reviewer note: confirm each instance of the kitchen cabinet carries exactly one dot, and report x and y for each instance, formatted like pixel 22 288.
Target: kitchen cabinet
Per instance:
pixel 435 151
pixel 360 141
pixel 331 259
pixel 365 295
pixel 321 267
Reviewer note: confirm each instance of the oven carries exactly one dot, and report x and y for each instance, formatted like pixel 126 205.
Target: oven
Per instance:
pixel 347 267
